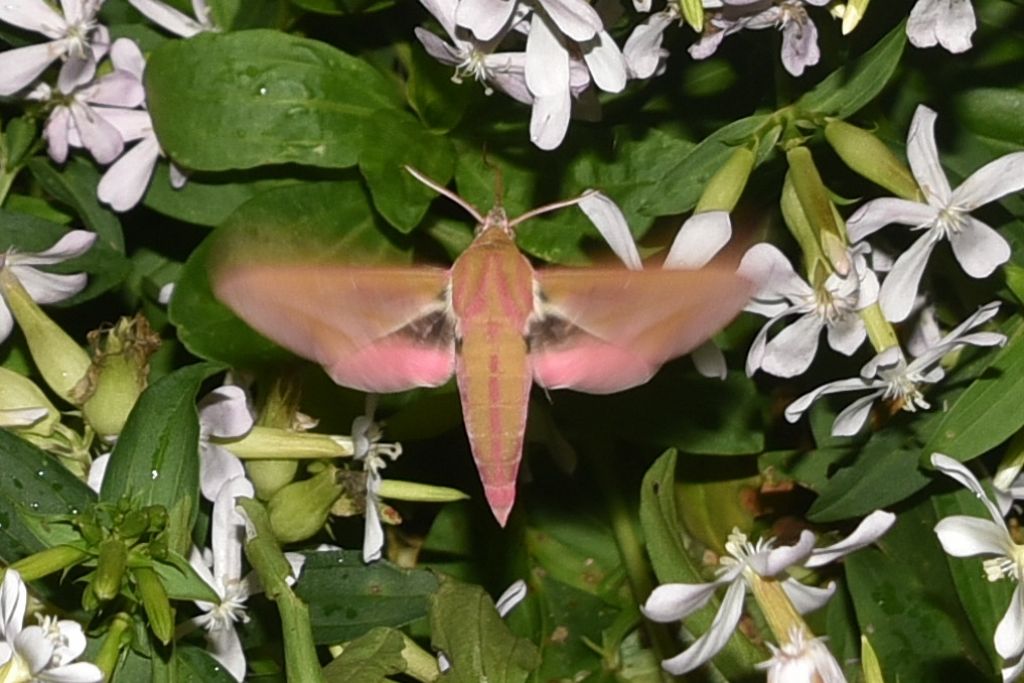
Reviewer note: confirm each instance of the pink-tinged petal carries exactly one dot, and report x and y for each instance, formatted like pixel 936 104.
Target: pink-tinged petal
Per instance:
pixel 168 18
pixel 963 536
pixel 485 18
pixel 799 46
pixel 950 23
pixel 79 672
pixel 77 70
pixel 807 598
pixel 73 244
pixel 850 420
pixel 1009 638
pixel 603 58
pixel 227 529
pixel 13 601
pixel 574 18
pixel 979 248
pixel 547 61
pixel 132 124
pixel 225 646
pixel 871 528
pixel 798 407
pixel 224 413
pixel 21 66
pixel 709 361
pixel 958 471
pixel 124 183
pixel 707 45
pixel 126 56
pixel 699 240
pixel 56 134
pixel 6 321
pixel 674 601
pixel 715 638
pixel 97 471
pixel 899 289
pixel 879 213
pixel 777 560
pixel 924 158
pixel 995 179
pixel 49 288
pixel 792 351
pixel 73 10
pixel 510 77
pixel 607 217
pixel 217 465
pixel 33 15
pixel 643 52
pixel 118 89
pixel 437 48
pixel 846 334
pixel 101 138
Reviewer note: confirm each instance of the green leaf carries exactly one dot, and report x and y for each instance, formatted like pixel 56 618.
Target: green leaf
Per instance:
pixel 369 658
pixel 195 665
pixel 180 580
pixel 854 85
pixel 993 113
pixel 201 201
pixel 466 627
pixel 33 486
pixel 156 458
pixel 330 222
pixel 249 98
pixel 106 266
pixel 904 597
pixel 989 411
pixel 347 597
pixel 76 187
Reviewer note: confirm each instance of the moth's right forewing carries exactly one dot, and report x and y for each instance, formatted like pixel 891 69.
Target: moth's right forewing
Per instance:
pixel 375 329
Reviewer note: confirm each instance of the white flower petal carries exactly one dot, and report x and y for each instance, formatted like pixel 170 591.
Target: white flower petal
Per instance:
pixel 867 532
pixel 798 407
pixel 217 465
pixel 958 471
pixel 609 220
pixel 79 672
pixel 124 183
pixel 512 596
pixel 168 18
pixel 6 320
pixel 846 334
pixel 767 267
pixel 49 288
pixel 799 46
pixel 995 179
pixel 224 412
pixel 605 61
pixel 549 120
pixel 643 52
pixel 98 136
pixel 674 601
pixel 97 471
pixel 74 243
pixel 879 213
pixel 715 638
pixel 792 350
pixel 924 158
pixel 709 361
pixel 963 536
pixel 979 248
pixel 850 420
pixel 227 529
pixel 547 61
pixel 21 66
pixel 899 289
pixel 373 530
pixel 226 648
pixel 437 48
pixel 13 601
pixel 574 18
pixel 950 23
pixel 33 15
pixel 699 240
pixel 126 56
pixel 34 647
pixel 1009 637
pixel 777 560
pixel 807 598
pixel 485 18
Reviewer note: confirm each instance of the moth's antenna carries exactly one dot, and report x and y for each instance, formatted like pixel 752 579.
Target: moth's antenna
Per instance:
pixel 445 192
pixel 533 213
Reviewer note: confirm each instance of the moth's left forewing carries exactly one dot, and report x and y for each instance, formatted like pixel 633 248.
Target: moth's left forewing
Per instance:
pixel 606 330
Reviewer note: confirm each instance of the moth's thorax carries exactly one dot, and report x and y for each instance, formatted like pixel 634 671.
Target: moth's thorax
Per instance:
pixel 493 280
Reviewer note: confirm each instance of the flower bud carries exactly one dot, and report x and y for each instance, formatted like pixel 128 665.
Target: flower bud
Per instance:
pixel 118 374
pixel 61 361
pixel 853 13
pixel 826 228
pixel 871 158
pixel 48 561
pixel 693 13
pixel 727 184
pixel 300 509
pixel 110 566
pixel 155 602
pixel 421 493
pixel 18 393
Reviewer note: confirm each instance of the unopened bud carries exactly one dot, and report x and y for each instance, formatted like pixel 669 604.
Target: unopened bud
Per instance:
pixel 853 13
pixel 871 158
pixel 693 14
pixel 300 509
pixel 118 374
pixel 113 557
pixel 154 601
pixel 61 361
pixel 48 561
pixel 727 184
pixel 421 493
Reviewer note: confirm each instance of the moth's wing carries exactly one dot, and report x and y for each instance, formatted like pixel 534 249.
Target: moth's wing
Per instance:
pixel 605 330
pixel 375 329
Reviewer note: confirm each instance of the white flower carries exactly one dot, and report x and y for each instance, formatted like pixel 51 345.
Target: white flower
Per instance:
pixel 175 21
pixel 78 120
pixel 802 660
pixel 75 37
pixel 831 307
pixel 365 447
pixel 890 377
pixel 674 601
pixel 799 34
pixel 576 19
pixel 223 414
pixel 644 55
pixel 949 23
pixel 43 287
pixel 944 214
pixel 964 536
pixel 124 183
pixel 39 653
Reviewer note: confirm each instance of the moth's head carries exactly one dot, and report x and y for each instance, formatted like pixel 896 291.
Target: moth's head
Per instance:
pixel 496 218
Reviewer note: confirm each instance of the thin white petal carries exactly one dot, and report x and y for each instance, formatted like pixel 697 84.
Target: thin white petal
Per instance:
pixel 98 136
pixel 963 536
pixel 124 183
pixel 13 601
pixel 699 240
pixel 995 179
pixel 777 560
pixel 512 596
pixel 6 320
pixel 1009 638
pixel 799 46
pixel 224 412
pixel 879 213
pixel 924 158
pixel 33 15
pixel 958 471
pixel 867 532
pixel 168 18
pixel 709 361
pixel 485 18
pixel 899 289
pixel 21 66
pixel 797 408
pixel 846 334
pixel 950 23
pixel 850 420
pixel 674 601
pixel 217 465
pixel 792 351
pixel 74 243
pixel 547 61
pixel 605 61
pixel 575 18
pixel 49 288
pixel 807 598
pixel 227 529
pixel 609 220
pixel 226 648
pixel 715 638
pixel 643 52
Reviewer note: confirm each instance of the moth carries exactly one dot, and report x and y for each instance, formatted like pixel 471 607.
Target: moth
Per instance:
pixel 491 320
